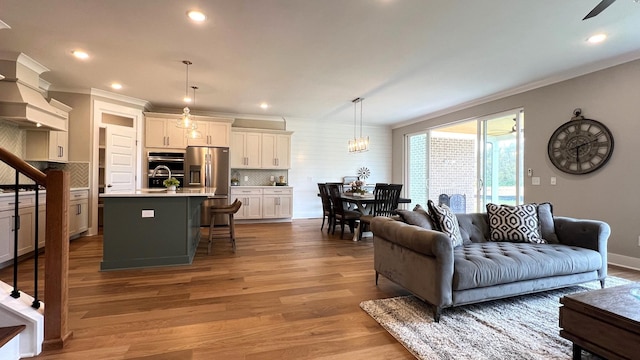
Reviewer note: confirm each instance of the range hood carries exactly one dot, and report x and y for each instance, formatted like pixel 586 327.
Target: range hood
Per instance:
pixel 22 95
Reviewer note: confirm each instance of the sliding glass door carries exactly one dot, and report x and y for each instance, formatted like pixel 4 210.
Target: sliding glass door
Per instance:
pixel 467 164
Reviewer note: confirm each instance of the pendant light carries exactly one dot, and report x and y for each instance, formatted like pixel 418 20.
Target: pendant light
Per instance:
pixel 358 144
pixel 193 132
pixel 185 121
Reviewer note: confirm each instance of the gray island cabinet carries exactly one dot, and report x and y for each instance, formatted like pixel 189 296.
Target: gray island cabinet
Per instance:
pixel 151 227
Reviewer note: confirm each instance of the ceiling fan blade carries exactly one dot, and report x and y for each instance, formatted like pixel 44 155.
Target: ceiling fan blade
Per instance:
pixel 599 8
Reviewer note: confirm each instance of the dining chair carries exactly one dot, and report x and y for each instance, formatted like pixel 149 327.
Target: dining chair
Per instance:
pixel 341 215
pixel 346 206
pixel 386 202
pixel 327 211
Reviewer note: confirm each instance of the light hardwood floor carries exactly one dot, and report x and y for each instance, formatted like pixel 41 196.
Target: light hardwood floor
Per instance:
pixel 289 292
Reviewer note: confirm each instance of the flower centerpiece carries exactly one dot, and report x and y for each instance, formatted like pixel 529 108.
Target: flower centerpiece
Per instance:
pixel 356 187
pixel 171 183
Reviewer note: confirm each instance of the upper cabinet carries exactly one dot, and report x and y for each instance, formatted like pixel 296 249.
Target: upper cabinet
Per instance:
pixel 245 150
pixel 163 133
pixel 47 146
pixel 214 131
pixel 257 149
pixel 276 151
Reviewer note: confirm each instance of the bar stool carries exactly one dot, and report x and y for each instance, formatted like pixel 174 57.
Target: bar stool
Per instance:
pixel 222 210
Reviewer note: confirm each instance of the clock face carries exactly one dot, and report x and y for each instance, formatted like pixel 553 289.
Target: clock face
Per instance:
pixel 580 146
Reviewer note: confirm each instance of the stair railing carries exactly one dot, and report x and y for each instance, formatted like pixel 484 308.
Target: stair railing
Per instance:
pixel 56 182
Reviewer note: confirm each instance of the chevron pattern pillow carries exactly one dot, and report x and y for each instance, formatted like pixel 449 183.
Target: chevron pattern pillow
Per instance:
pixel 514 223
pixel 446 221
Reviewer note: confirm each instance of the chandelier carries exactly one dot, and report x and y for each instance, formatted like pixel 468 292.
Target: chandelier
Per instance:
pixel 185 121
pixel 358 144
pixel 193 132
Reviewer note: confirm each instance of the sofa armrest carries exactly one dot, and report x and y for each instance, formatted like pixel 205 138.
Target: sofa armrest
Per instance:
pixel 589 234
pixel 420 240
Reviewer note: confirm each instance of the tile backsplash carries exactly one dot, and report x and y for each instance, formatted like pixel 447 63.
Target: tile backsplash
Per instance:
pixel 12 138
pixel 257 177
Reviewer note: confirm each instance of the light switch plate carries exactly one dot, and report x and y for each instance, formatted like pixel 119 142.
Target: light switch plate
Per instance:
pixel 535 180
pixel 553 180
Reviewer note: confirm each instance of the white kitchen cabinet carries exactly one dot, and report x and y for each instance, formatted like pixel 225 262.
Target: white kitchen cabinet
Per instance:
pixel 214 133
pixel 6 235
pixel 163 133
pixel 47 146
pixel 245 150
pixel 251 199
pixel 277 203
pixel 276 151
pixel 25 234
pixel 78 212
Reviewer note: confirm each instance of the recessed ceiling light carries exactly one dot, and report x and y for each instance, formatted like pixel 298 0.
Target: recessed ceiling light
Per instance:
pixel 264 106
pixel 80 54
pixel 196 15
pixel 116 86
pixel 186 99
pixel 597 38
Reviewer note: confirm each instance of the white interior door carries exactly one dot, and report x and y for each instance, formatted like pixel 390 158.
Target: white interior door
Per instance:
pixel 120 159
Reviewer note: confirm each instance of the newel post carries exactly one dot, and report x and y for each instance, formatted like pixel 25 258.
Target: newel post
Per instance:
pixel 56 287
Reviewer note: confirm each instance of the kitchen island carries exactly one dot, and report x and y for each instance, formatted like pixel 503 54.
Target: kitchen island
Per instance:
pixel 151 227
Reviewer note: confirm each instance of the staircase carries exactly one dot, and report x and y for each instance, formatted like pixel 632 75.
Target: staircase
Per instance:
pixel 21 326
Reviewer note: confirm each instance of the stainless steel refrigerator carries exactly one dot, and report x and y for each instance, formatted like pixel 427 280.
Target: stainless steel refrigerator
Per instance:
pixel 208 167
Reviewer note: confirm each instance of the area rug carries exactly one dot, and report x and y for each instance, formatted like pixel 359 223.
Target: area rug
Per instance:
pixel 522 327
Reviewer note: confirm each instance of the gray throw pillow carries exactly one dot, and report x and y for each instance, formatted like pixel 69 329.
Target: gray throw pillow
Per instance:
pixel 418 218
pixel 547 226
pixel 514 223
pixel 446 222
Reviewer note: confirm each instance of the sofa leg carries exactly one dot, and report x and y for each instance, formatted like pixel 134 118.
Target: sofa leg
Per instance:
pixel 437 311
pixel 377 275
pixel 602 283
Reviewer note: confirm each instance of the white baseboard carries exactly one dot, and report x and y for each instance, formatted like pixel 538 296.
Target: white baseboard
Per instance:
pixel 624 261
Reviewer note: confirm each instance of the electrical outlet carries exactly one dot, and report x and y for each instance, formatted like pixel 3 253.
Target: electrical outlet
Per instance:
pixel 246 178
pixel 535 180
pixel 272 178
pixel 553 180
pixel 529 172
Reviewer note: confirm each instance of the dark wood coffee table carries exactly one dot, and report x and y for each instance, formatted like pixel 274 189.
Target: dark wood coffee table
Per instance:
pixel 605 322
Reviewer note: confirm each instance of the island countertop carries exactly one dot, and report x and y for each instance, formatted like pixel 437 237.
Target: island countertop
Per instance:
pixel 157 192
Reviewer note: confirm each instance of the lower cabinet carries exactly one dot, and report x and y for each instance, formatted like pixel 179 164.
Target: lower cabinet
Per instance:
pixel 25 235
pixel 251 203
pixel 78 221
pixel 263 202
pixel 277 203
pixel 78 212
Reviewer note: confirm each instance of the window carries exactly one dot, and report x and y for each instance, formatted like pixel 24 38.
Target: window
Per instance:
pixel 468 164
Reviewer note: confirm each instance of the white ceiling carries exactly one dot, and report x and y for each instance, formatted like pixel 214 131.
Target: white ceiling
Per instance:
pixel 409 59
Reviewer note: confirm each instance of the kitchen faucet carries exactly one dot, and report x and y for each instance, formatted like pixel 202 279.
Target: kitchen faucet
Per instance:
pixel 153 174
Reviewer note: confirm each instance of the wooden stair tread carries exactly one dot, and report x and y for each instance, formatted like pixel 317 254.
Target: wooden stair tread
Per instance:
pixel 9 332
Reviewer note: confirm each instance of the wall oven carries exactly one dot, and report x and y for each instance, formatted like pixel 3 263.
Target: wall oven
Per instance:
pixel 174 161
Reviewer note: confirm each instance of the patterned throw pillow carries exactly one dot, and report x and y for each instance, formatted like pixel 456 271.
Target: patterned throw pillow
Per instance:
pixel 514 223
pixel 446 221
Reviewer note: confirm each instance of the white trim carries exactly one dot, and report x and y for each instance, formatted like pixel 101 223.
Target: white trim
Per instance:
pixel 119 97
pixel 624 261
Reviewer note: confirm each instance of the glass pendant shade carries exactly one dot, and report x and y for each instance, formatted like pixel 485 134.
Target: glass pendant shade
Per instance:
pixel 358 144
pixel 193 132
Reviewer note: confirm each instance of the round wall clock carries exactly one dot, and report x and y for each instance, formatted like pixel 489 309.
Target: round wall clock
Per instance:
pixel 580 145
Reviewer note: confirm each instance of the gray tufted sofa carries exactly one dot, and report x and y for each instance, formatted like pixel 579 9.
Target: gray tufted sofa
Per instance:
pixel 423 260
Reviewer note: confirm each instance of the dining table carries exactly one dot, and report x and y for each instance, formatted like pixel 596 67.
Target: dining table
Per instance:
pixel 365 202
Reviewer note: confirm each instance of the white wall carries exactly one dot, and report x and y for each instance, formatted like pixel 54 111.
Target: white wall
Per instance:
pixel 319 154
pixel 612 193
